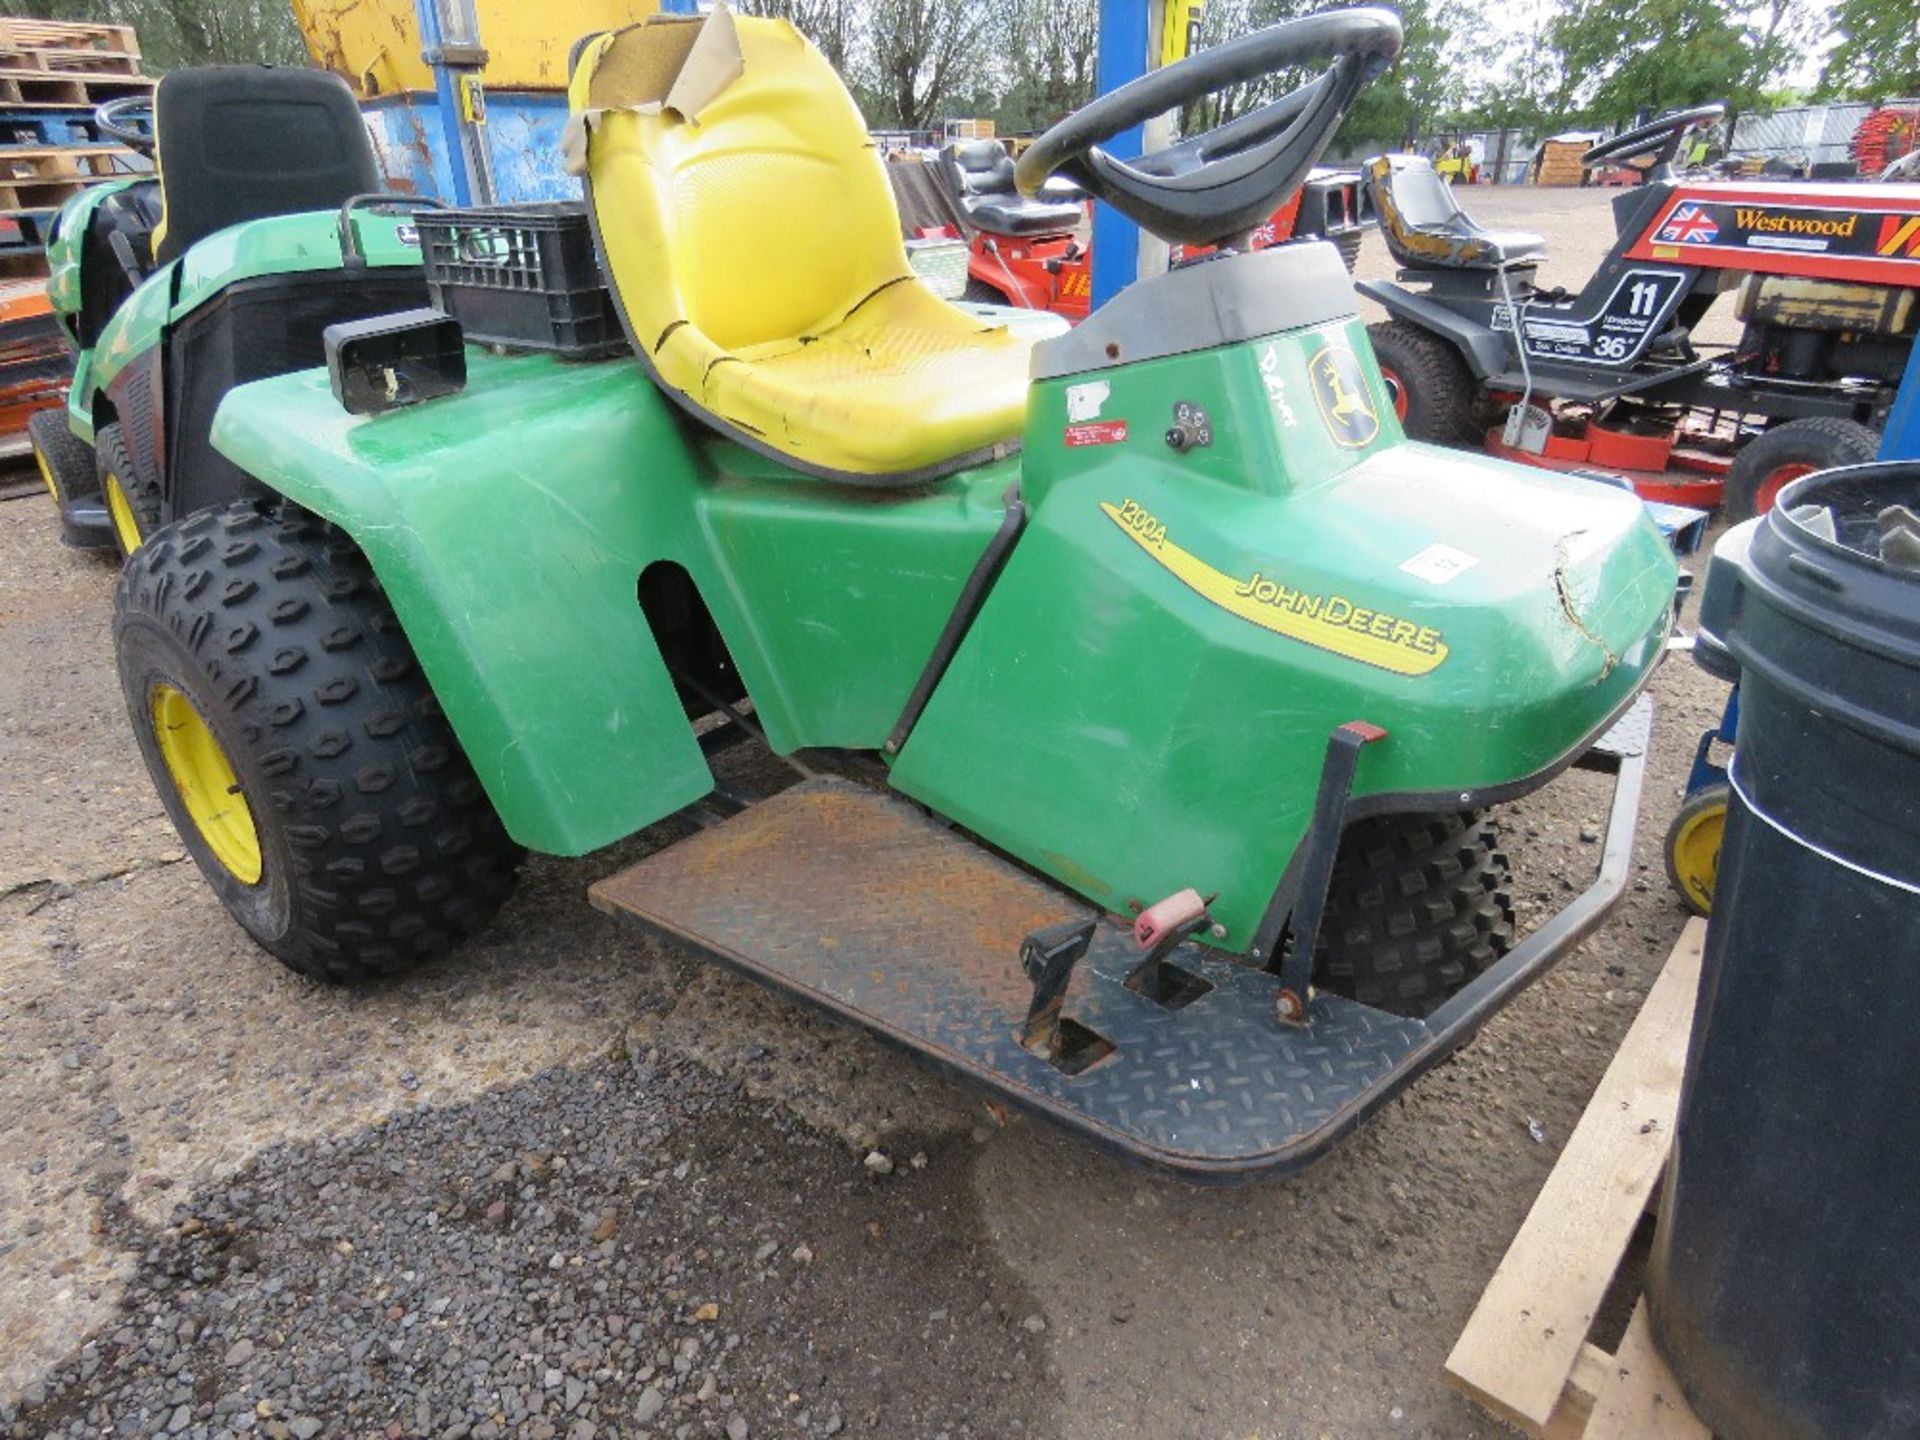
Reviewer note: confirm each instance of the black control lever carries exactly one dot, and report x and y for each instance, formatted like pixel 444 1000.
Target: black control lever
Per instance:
pixel 1048 956
pixel 122 249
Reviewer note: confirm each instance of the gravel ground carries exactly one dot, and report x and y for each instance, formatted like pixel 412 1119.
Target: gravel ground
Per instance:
pixel 499 1197
pixel 594 1252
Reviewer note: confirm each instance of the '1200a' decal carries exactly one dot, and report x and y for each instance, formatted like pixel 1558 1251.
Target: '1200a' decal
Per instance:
pixel 1326 622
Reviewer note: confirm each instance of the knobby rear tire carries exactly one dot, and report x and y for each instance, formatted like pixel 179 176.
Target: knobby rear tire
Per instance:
pixel 378 848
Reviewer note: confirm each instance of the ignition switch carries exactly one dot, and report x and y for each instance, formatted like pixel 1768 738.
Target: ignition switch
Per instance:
pixel 1190 429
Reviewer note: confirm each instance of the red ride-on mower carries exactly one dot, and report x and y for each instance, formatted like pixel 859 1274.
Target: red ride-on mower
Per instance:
pixel 1825 278
pixel 1034 253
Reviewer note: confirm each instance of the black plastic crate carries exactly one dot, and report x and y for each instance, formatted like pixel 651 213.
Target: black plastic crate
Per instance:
pixel 521 275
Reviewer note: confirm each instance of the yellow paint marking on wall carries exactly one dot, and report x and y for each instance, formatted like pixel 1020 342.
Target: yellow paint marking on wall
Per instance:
pixel 1333 623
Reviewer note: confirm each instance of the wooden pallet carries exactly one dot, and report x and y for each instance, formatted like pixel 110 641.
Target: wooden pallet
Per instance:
pixel 24 194
pixel 67 162
pixel 25 34
pixel 1526 1353
pixel 23 231
pixel 22 265
pixel 55 62
pixel 77 87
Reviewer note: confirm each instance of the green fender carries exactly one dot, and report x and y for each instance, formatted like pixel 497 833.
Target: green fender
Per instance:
pixel 69 228
pixel 510 548
pixel 278 245
pixel 510 524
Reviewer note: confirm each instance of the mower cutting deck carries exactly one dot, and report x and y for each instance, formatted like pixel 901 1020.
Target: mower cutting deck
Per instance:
pixel 862 904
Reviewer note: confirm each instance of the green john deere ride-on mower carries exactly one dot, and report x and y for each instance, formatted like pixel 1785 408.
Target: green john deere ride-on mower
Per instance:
pixel 224 266
pixel 1149 689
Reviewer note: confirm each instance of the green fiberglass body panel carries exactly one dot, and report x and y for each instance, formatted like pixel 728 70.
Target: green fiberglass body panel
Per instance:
pixel 510 525
pixel 80 397
pixel 1153 680
pixel 63 249
pixel 1143 702
pixel 1282 412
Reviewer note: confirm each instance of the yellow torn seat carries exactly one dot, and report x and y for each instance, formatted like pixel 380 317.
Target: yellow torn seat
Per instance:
pixel 754 249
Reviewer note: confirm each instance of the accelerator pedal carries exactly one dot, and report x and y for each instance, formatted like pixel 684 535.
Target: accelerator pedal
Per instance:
pixel 857 902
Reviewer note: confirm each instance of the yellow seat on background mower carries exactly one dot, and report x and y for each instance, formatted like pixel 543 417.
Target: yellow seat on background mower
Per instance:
pixel 755 251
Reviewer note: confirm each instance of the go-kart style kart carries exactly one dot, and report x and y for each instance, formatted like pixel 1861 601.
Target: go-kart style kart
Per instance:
pixel 1035 252
pixel 1825 278
pixel 223 267
pixel 1147 688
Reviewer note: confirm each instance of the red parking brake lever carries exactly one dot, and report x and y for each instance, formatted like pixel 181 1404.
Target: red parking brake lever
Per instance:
pixel 1182 910
pixel 1159 930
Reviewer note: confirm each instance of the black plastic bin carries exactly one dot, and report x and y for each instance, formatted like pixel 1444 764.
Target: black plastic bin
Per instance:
pixel 522 276
pixel 1785 1282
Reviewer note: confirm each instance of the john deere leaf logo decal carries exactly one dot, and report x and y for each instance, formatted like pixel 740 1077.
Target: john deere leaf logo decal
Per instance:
pixel 1340 390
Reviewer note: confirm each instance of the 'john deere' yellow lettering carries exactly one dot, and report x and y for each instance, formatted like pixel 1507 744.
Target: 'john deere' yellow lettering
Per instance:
pixel 1334 623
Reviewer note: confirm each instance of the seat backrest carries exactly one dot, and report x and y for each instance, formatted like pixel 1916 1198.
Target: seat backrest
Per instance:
pixel 242 142
pixel 978 167
pixel 764 217
pixel 1415 190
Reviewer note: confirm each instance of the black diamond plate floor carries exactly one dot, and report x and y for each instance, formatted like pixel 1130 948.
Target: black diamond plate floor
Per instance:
pixel 857 902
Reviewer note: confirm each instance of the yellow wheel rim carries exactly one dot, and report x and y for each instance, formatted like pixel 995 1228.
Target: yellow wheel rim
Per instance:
pixel 124 525
pixel 1695 853
pixel 204 777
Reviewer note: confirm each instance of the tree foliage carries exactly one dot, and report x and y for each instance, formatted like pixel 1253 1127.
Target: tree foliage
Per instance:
pixel 1528 64
pixel 190 32
pixel 1422 85
pixel 1621 59
pixel 1048 48
pixel 1878 56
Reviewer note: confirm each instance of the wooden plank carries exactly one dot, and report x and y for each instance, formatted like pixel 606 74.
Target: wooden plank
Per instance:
pixel 1524 1338
pixel 48 89
pixel 1591 1370
pixel 1641 1400
pixel 42 62
pixel 64 162
pixel 68 35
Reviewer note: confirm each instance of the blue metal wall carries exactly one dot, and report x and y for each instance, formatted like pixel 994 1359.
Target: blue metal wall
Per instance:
pixel 523 133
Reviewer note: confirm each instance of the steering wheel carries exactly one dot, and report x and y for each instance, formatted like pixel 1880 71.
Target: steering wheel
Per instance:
pixel 1213 187
pixel 1660 138
pixel 128 120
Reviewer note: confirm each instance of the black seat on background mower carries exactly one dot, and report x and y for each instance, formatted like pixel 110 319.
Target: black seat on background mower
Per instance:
pixel 1425 227
pixel 242 142
pixel 979 173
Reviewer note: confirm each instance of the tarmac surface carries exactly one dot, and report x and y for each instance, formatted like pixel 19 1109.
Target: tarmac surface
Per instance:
pixel 570 1182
